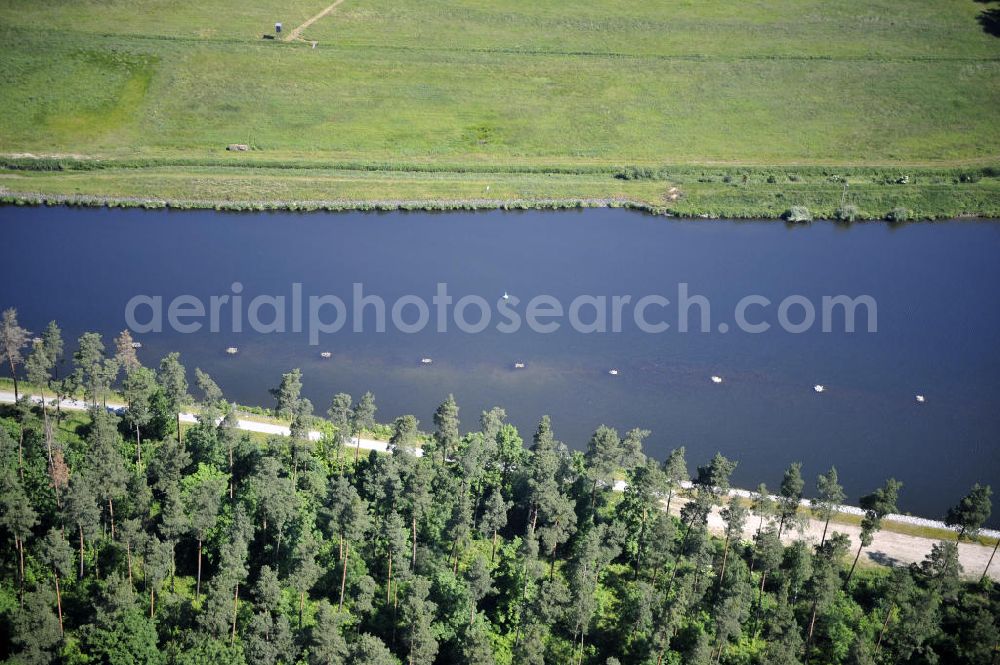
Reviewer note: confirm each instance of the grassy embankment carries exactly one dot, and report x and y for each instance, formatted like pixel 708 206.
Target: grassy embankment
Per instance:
pixel 441 104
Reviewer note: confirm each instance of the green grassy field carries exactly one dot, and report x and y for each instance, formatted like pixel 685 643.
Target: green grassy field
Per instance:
pixel 162 86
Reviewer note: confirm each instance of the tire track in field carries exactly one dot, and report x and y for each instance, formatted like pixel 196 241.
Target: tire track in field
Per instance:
pixel 297 32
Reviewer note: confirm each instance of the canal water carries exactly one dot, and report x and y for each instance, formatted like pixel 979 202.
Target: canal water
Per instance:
pixel 935 287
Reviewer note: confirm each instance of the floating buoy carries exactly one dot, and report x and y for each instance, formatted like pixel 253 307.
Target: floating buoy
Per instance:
pixel 921 399
pixel 518 365
pixel 613 372
pixel 506 296
pixel 716 379
pixel 325 354
pixel 426 361
pixel 819 387
pixel 232 350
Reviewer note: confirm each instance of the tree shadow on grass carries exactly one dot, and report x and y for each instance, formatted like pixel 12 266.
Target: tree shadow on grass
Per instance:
pixel 990 20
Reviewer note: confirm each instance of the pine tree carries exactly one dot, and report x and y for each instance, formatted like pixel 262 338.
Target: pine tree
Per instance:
pixel 82 512
pixel 404 433
pixel 417 614
pixel 327 645
pixel 173 381
pixel 734 516
pixel 13 338
pixel 350 520
pixel 288 393
pixel 125 353
pixel 105 466
pixel 305 572
pixel 604 451
pixel 57 556
pixel 340 415
pixel 970 514
pixel 362 418
pixel 158 562
pixel 203 493
pixel 211 393
pixel 790 496
pixel 675 473
pixel 393 538
pixel 830 496
pixel 494 519
pixel 17 516
pixel 139 387
pixel 822 586
pixel 34 629
pixel 446 434
pixel 368 649
pixel 876 505
pixel 479 583
pixel 92 368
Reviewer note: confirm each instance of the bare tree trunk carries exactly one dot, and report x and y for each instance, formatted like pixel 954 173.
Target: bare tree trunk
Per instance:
pixel 809 637
pixel 59 605
pixel 128 558
pixel 853 565
pixel 178 426
pixel 20 454
pixel 760 602
pixel 236 609
pixel 826 525
pixel 81 550
pixel 638 553
pixel 357 448
pixel 152 604
pixel 343 575
pixel 13 375
pixel 413 557
pixel 19 542
pixel 388 588
pixel 987 569
pixel 197 590
pixel 881 634
pixel 725 557
pixel 111 513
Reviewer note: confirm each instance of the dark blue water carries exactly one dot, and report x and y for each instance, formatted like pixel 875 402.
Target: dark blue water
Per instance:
pixel 936 286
